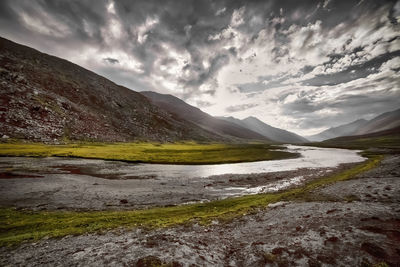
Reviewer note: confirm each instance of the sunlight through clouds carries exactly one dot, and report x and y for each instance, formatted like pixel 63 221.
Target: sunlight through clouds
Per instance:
pixel 294 66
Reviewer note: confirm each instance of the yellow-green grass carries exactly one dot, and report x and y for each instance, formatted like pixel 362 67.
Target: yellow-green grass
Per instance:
pixel 18 226
pixel 181 153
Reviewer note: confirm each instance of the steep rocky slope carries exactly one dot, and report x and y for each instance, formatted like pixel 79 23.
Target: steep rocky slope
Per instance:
pixel 45 98
pixel 200 118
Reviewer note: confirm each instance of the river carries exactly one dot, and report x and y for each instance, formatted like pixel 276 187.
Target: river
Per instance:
pixel 71 183
pixel 311 157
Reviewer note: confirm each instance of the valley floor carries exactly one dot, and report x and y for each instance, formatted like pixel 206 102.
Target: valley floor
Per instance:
pixel 87 185
pixel 168 153
pixel 350 223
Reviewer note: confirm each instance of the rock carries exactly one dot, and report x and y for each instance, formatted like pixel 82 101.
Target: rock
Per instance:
pixel 277 204
pixel 20 79
pixel 374 250
pixel 332 239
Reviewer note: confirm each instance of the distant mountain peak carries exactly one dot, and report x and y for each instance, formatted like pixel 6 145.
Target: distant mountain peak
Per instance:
pixel 382 122
pixel 193 114
pixel 251 118
pixel 275 134
pixel 360 120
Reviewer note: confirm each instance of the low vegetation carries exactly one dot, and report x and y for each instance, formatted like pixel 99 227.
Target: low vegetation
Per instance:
pixel 178 153
pixel 385 142
pixel 17 226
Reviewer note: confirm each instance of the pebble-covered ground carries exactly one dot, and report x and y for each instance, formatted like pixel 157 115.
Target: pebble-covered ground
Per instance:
pixel 86 184
pixel 357 225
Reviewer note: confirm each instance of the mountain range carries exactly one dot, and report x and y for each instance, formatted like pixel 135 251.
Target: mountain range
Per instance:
pixel 272 133
pixel 48 99
pixel 249 128
pixel 341 130
pixel 385 121
pixel 194 115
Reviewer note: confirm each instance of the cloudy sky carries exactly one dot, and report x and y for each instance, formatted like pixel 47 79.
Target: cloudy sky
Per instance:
pixel 298 65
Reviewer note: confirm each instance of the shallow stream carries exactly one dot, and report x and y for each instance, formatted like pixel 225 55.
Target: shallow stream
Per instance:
pixel 71 183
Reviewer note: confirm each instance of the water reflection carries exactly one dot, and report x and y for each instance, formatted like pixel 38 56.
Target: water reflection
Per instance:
pixel 311 157
pixel 272 187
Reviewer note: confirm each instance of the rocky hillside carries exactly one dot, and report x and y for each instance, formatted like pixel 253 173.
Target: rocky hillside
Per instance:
pixel 385 133
pixel 272 133
pixel 389 140
pixel 45 98
pixel 342 130
pixel 385 121
pixel 200 118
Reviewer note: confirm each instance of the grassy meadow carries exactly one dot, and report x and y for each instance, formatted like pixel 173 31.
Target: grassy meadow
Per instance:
pixel 178 153
pixel 391 142
pixel 17 226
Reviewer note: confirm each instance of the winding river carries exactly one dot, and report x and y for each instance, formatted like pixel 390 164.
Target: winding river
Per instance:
pixel 71 183
pixel 311 157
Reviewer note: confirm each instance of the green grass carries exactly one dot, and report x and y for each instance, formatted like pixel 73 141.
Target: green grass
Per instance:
pixel 386 142
pixel 18 226
pixel 182 153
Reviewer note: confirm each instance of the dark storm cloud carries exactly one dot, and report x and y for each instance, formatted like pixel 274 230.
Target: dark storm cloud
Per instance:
pixel 75 14
pixel 251 87
pixel 307 69
pixel 309 110
pixel 263 85
pixel 350 108
pixel 205 74
pixel 202 104
pixel 183 46
pixel 111 60
pixel 352 72
pixel 240 107
pixel 184 25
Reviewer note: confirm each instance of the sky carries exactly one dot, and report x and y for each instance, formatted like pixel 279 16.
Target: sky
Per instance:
pixel 303 66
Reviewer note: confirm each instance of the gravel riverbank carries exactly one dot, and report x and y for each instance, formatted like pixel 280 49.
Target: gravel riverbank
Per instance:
pixel 90 184
pixel 358 225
